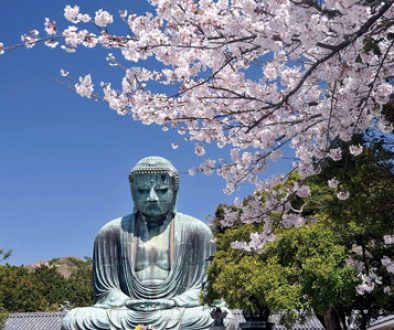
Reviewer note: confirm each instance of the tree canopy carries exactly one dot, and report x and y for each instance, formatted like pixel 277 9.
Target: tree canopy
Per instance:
pixel 340 260
pixel 254 76
pixel 43 288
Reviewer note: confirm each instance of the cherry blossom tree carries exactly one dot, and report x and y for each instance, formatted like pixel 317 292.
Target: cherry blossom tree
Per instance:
pixel 250 76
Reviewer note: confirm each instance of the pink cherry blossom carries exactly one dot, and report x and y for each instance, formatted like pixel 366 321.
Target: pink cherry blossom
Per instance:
pixel 50 26
pixel 303 191
pixel 85 86
pixel 335 154
pixel 356 150
pixel 103 18
pixel 388 263
pixel 388 239
pixel 199 149
pixel 30 39
pixel 64 73
pixel 333 183
pixel 315 86
pixel 71 13
pixel 343 195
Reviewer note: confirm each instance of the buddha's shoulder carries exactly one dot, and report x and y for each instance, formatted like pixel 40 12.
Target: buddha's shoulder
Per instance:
pixel 117 223
pixel 192 222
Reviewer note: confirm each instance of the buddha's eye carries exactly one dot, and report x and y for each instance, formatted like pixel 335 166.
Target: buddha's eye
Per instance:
pixel 162 190
pixel 143 190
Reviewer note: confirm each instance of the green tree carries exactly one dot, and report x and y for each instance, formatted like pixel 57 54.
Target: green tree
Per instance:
pixel 44 288
pixel 19 291
pixel 316 267
pixel 80 287
pixel 361 221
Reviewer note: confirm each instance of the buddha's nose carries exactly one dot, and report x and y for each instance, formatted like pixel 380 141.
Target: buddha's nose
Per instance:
pixel 152 195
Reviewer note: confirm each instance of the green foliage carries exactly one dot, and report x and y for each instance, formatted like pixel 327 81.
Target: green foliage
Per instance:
pixel 3 318
pixel 363 219
pixel 80 289
pixel 303 268
pixel 319 262
pixel 312 267
pixel 44 288
pixel 372 45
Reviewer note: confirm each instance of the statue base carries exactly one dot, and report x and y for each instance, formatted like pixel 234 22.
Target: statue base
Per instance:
pixel 217 327
pixel 256 325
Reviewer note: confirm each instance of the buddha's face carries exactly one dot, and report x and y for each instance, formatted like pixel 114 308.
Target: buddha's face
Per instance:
pixel 153 194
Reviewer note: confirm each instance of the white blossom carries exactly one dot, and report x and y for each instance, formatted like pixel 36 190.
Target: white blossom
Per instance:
pixel 51 43
pixel 123 13
pixel 103 18
pixel 85 18
pixel 335 154
pixel 64 73
pixel 356 264
pixel 72 37
pixel 388 239
pixel 90 40
pixel 111 59
pixel 333 183
pixel 240 245
pixel 192 172
pixel 50 26
pixel 343 195
pixel 357 249
pixel 356 150
pixel 206 52
pixel 292 220
pixel 29 40
pixel 385 127
pixel 368 282
pixel 85 86
pixel 388 263
pixel 230 217
pixel 199 149
pixel 1 48
pixel 71 13
pixel 304 191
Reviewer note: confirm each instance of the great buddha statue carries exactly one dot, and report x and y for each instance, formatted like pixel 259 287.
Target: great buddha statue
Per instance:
pixel 150 266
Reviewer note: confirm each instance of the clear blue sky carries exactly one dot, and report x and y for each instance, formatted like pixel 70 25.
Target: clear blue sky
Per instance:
pixel 64 160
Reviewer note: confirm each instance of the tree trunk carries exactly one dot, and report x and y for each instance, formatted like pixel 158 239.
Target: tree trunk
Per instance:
pixel 331 320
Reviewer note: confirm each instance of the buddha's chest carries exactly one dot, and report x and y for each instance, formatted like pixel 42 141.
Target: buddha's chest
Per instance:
pixel 153 257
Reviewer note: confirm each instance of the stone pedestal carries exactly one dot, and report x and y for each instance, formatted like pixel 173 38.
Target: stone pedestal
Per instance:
pixel 256 325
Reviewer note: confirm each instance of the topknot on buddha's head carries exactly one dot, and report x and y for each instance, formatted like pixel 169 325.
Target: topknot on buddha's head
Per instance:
pixel 155 165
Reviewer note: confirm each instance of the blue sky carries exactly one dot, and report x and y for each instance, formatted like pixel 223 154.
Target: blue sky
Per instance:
pixel 64 160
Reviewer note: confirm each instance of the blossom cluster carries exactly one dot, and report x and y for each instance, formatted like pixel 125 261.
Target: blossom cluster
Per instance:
pixel 257 241
pixel 317 83
pixel 370 279
pixel 252 77
pixel 368 282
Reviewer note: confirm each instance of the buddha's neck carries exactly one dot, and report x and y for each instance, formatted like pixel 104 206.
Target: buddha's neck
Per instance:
pixel 154 223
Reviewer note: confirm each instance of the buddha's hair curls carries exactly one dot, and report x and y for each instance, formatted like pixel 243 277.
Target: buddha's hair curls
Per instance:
pixel 155 165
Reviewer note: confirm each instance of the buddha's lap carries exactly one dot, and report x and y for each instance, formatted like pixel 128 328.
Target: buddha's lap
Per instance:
pixel 123 318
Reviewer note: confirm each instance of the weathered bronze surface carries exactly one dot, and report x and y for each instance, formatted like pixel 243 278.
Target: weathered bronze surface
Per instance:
pixel 150 266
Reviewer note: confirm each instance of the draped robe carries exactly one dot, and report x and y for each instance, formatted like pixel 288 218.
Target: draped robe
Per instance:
pixel 115 279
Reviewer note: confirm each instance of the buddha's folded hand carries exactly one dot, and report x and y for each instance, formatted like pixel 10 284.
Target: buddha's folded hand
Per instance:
pixel 113 299
pixel 149 304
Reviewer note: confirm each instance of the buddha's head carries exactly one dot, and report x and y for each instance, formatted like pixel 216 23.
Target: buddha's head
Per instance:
pixel 154 184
